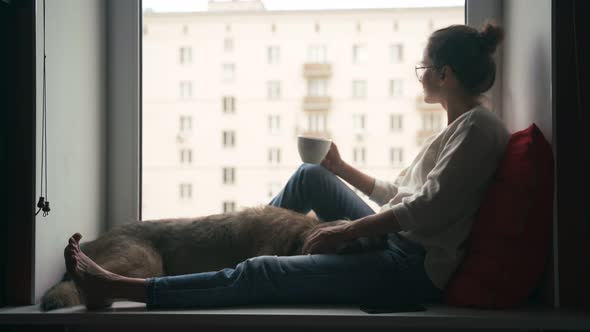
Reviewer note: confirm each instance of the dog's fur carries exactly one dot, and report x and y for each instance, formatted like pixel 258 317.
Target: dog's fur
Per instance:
pixel 190 245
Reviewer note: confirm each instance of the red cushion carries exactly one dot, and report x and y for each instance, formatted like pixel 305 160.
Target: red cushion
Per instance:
pixel 510 239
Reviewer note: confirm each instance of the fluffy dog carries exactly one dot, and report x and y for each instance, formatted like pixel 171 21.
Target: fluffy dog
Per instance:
pixel 189 245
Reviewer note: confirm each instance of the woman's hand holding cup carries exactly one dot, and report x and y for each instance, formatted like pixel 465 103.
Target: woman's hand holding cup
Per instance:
pixel 332 161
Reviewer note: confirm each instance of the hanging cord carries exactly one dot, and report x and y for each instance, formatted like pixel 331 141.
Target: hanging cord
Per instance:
pixel 43 203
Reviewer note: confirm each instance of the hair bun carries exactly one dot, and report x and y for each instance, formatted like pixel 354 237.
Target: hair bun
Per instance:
pixel 491 35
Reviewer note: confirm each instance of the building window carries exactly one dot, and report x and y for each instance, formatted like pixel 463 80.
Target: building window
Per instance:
pixel 145 30
pixel 274 156
pixel 317 122
pixel 229 138
pixel 359 155
pixel 359 122
pixel 359 89
pixel 229 174
pixel 229 105
pixel 430 25
pixel 396 156
pixel 229 70
pixel 273 54
pixel 186 156
pixel 317 87
pixel 432 121
pixel 273 189
pixel 186 55
pixel 395 25
pixel 359 53
pixel 316 54
pixel 317 27
pixel 396 122
pixel 185 29
pixel 228 44
pixel 229 206
pixel 185 190
pixel 359 27
pixel 396 53
pixel 273 89
pixel 395 88
pixel 186 89
pixel 186 123
pixel 274 123
pixel 273 28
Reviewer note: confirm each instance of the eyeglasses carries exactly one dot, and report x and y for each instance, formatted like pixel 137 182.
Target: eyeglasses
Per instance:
pixel 420 70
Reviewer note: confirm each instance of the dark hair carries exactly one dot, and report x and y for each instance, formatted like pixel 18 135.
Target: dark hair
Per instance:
pixel 469 52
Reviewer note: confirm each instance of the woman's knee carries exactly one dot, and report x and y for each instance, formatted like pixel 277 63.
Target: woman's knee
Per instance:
pixel 312 171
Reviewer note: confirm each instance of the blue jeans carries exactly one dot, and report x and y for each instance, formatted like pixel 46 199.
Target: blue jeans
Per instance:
pixel 390 276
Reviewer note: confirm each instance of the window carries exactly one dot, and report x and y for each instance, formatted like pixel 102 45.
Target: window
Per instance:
pixel 186 156
pixel 274 156
pixel 274 123
pixel 229 72
pixel 396 156
pixel 185 55
pixel 359 89
pixel 186 89
pixel 228 104
pixel 273 54
pixel 186 123
pixel 358 122
pixel 316 54
pixel 359 53
pixel 273 90
pixel 396 122
pixel 359 155
pixel 185 190
pixel 396 53
pixel 228 44
pixel 229 206
pixel 273 189
pixel 288 85
pixel 185 29
pixel 317 87
pixel 395 88
pixel 317 122
pixel 229 138
pixel 229 174
pixel 432 121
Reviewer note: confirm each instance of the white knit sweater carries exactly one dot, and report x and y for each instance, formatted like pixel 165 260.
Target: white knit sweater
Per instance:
pixel 436 198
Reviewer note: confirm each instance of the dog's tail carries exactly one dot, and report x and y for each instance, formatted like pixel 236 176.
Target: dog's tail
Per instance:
pixel 63 294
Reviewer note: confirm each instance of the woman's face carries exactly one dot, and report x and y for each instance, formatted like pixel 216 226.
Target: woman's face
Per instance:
pixel 430 81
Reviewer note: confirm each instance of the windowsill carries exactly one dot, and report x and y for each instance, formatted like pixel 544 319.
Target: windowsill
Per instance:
pixel 304 316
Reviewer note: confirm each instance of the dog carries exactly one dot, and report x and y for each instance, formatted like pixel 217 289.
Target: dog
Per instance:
pixel 167 247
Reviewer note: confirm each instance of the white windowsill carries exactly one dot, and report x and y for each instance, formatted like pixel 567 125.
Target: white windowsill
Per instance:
pixel 304 316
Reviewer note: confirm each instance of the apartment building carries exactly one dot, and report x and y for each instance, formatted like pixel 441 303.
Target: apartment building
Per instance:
pixel 227 91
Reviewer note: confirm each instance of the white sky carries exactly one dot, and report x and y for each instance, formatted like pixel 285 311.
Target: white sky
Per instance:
pixel 201 5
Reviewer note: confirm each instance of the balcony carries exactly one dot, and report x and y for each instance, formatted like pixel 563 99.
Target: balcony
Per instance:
pixel 317 70
pixel 422 106
pixel 317 103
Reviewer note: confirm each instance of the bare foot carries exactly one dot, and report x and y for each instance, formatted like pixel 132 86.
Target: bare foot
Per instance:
pixel 92 280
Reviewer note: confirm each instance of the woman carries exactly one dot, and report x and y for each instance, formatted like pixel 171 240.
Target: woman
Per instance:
pixel 426 213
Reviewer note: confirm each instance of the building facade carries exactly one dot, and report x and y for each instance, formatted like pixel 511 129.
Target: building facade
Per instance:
pixel 226 93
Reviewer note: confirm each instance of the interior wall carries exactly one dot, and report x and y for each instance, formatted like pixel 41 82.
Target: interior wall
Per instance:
pixel 527 65
pixel 526 89
pixel 76 141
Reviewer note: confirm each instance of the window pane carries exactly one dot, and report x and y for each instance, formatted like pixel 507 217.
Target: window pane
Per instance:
pixel 351 80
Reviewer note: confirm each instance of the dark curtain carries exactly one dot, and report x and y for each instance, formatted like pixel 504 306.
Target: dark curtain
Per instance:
pixel 572 146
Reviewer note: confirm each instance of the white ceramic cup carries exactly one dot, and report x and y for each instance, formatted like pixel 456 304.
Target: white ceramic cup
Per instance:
pixel 312 150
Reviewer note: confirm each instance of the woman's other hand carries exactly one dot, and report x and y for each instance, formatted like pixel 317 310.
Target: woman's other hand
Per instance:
pixel 327 240
pixel 332 160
